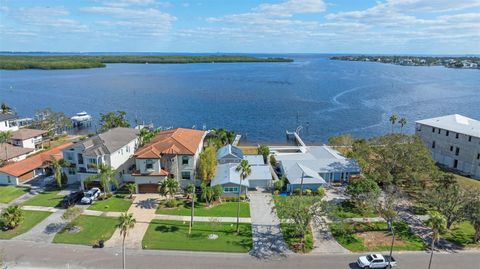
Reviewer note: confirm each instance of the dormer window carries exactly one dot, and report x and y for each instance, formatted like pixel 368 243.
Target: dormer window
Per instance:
pixel 149 164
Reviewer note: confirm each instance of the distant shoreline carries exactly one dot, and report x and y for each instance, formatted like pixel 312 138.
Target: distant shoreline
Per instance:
pixel 82 62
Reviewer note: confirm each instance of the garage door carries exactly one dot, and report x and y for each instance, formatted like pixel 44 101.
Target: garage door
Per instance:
pixel 259 183
pixel 147 188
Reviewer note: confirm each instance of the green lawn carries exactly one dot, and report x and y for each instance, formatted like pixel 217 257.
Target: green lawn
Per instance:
pixel 225 209
pixel 467 182
pixel 93 228
pixel 293 241
pixel 10 193
pixel 46 198
pixel 346 209
pixel 461 233
pixel 348 235
pixel 116 203
pixel 173 235
pixel 32 218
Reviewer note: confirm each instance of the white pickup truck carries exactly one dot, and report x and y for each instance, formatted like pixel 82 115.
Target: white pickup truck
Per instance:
pixel 376 261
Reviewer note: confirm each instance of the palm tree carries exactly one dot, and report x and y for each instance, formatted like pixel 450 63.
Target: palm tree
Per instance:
pixel 4 139
pixel 245 170
pixel 127 222
pixel 169 187
pixel 106 176
pixel 57 166
pixel 393 120
pixel 230 136
pixel 207 194
pixel 191 192
pixel 131 189
pixel 12 216
pixel 438 223
pixel 402 122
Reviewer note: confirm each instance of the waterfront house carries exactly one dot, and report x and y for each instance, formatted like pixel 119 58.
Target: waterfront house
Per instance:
pixel 10 153
pixel 7 122
pixel 172 153
pixel 453 141
pixel 114 148
pixel 228 158
pixel 27 169
pixel 316 166
pixel 28 138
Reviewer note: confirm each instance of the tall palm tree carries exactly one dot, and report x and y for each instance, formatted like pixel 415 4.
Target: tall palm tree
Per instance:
pixel 402 122
pixel 438 223
pixel 127 222
pixel 5 137
pixel 106 176
pixel 191 192
pixel 245 170
pixel 230 136
pixel 57 166
pixel 169 187
pixel 131 189
pixel 393 120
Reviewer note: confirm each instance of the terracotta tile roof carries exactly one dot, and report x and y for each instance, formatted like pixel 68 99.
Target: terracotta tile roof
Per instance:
pixel 25 133
pixel 24 166
pixel 178 141
pixel 12 151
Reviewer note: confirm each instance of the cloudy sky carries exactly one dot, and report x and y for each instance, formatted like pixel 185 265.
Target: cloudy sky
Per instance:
pixel 323 26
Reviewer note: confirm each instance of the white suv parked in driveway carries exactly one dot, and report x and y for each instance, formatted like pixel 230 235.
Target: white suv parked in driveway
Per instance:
pixel 90 196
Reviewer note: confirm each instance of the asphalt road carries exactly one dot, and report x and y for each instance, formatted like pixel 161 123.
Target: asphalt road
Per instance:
pixel 21 254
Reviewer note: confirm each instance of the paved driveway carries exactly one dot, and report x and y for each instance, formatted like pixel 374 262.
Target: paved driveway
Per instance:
pixel 324 241
pixel 267 238
pixel 45 231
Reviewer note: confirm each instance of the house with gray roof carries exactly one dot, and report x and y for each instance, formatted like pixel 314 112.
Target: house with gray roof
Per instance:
pixel 453 141
pixel 8 122
pixel 114 148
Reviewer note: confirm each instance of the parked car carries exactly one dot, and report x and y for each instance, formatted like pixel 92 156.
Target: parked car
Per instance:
pixel 376 261
pixel 72 199
pixel 90 196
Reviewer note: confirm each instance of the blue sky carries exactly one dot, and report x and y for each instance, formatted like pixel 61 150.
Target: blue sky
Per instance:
pixel 275 26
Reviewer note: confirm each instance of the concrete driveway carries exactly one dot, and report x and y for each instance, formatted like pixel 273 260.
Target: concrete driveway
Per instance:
pixel 267 237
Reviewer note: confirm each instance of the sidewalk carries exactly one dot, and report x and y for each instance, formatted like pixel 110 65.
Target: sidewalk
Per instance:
pixel 324 242
pixel 202 219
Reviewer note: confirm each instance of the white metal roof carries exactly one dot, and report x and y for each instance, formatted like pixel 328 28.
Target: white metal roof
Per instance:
pixel 226 173
pixel 254 159
pixel 455 123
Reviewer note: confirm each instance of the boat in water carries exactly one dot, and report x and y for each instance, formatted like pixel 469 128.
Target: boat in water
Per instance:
pixel 81 119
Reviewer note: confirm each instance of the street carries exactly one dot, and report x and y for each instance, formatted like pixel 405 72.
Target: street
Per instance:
pixel 21 254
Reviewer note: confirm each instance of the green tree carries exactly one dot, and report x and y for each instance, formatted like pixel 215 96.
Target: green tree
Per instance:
pixel 147 135
pixel 12 216
pixel 57 167
pixel 127 222
pixel 169 187
pixel 448 199
pixel 191 189
pixel 273 160
pixel 217 192
pixel 207 164
pixel 472 214
pixel 5 109
pixel 245 170
pixel 51 121
pixel 386 210
pixel 264 151
pixel 393 120
pixel 301 211
pixel 111 120
pixel 5 138
pixel 345 140
pixel 402 122
pixel 131 189
pixel 106 177
pixel 437 223
pixel 207 194
pixel 364 193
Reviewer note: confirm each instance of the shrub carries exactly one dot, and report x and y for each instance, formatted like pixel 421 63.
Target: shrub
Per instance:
pixel 276 192
pixel 273 160
pixel 12 216
pixel 296 191
pixel 172 203
pixel 243 197
pixel 279 185
pixel 320 191
pixel 307 192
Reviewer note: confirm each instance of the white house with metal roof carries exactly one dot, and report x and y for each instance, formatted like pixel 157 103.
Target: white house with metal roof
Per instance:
pixel 453 141
pixel 316 166
pixel 114 148
pixel 228 158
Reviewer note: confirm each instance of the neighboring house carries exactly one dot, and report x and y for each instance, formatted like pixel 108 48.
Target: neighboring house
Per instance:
pixel 316 165
pixel 7 122
pixel 28 138
pixel 9 153
pixel 114 148
pixel 172 152
pixel 25 170
pixel 453 141
pixel 228 158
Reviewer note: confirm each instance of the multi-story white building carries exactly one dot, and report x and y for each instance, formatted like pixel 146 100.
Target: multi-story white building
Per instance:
pixel 28 138
pixel 170 153
pixel 114 148
pixel 7 122
pixel 454 142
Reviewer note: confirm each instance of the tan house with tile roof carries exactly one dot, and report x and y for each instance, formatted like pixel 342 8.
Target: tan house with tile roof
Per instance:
pixel 172 152
pixel 28 138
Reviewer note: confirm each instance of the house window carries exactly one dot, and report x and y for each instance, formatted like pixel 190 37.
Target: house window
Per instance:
pixel 92 161
pixel 71 171
pixel 439 131
pixel 457 151
pixel 230 189
pixel 148 164
pixel 127 149
pixel 80 158
pixel 456 135
pixel 447 133
pixel 185 160
pixel 9 180
pixel 433 130
pixel 451 148
pixel 478 156
pixel 455 163
pixel 186 175
pixel 470 139
pixel 433 144
pixel 69 156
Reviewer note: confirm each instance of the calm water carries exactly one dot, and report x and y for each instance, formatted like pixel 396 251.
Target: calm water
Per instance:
pixel 259 100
